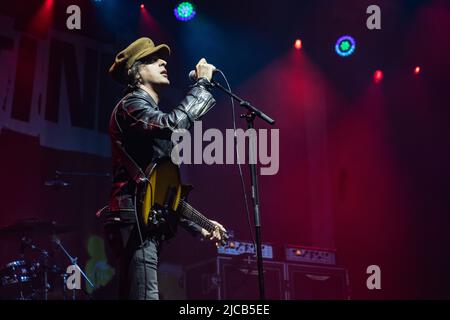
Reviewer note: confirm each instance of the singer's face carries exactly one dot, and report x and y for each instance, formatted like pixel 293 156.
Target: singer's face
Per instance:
pixel 154 71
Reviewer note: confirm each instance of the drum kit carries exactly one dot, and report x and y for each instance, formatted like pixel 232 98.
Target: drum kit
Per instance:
pixel 35 274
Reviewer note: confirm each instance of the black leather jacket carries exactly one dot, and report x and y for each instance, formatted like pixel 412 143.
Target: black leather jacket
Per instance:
pixel 144 132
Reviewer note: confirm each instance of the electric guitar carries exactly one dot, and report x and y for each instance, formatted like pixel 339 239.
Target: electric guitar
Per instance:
pixel 162 192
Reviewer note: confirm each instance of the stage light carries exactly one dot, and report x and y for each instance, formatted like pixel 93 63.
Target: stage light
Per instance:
pixel 42 20
pixel 142 6
pixel 48 5
pixel 417 70
pixel 184 11
pixel 298 44
pixel 345 46
pixel 378 76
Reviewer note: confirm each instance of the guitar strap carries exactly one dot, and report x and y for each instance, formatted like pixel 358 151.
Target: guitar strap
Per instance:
pixel 125 159
pixel 130 165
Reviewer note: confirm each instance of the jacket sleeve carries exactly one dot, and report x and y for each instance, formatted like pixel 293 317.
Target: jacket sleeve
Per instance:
pixel 140 116
pixel 191 227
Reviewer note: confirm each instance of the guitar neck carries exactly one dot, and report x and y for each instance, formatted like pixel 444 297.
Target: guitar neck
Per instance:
pixel 189 212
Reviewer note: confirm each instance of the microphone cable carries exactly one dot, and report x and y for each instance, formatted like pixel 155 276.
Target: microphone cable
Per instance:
pixel 244 191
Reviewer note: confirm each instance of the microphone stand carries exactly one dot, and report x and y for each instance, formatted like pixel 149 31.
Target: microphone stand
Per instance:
pixel 60 183
pixel 88 174
pixel 250 116
pixel 73 261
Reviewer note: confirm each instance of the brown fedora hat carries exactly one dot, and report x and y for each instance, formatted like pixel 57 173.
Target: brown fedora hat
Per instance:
pixel 139 49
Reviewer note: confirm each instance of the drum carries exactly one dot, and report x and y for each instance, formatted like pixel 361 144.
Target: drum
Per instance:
pixel 19 280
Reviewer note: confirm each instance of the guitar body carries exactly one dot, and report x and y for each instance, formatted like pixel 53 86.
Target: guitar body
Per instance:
pixel 162 194
pixel 162 190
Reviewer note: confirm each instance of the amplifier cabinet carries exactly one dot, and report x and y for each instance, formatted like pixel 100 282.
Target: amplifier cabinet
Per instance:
pixel 231 278
pixel 236 278
pixel 311 282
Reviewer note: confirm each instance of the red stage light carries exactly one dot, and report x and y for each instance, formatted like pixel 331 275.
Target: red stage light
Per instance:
pixel 142 6
pixel 48 4
pixel 42 20
pixel 417 70
pixel 298 44
pixel 378 76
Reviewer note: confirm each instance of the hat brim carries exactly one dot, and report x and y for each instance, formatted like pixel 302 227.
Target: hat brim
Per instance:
pixel 162 49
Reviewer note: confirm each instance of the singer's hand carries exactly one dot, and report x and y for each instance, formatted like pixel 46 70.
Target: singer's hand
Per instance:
pixel 204 69
pixel 216 234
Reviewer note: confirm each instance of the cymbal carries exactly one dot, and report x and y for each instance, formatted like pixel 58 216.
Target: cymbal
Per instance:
pixel 29 227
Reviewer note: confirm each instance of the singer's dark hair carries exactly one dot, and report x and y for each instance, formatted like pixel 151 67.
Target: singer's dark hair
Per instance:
pixel 134 78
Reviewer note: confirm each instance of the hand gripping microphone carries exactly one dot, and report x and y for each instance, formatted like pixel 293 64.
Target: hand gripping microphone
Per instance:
pixel 193 75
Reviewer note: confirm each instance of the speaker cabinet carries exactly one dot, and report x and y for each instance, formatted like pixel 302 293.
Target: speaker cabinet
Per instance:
pixel 316 282
pixel 236 278
pixel 227 278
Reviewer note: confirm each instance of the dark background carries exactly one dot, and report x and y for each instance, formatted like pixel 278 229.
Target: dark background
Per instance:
pixel 382 154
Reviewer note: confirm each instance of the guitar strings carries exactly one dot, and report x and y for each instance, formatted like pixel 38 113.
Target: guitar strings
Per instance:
pixel 206 222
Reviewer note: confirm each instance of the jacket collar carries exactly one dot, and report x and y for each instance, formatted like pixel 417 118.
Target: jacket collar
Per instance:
pixel 146 96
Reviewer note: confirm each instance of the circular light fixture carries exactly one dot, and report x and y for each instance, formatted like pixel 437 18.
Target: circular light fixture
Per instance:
pixel 345 46
pixel 184 11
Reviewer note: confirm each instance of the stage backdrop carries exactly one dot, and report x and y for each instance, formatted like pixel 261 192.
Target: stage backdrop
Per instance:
pixel 363 167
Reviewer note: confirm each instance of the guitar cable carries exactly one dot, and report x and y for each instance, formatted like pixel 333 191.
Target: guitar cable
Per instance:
pixel 244 191
pixel 135 210
pixel 142 244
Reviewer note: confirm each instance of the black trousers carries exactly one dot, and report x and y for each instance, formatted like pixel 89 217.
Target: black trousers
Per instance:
pixel 137 261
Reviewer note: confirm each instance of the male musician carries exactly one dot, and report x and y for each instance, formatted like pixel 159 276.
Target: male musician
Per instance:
pixel 140 134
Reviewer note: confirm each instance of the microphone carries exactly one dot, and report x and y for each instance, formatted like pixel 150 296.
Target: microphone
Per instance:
pixel 193 74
